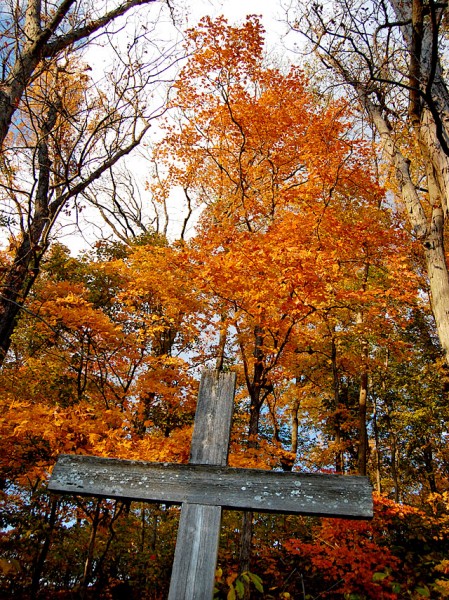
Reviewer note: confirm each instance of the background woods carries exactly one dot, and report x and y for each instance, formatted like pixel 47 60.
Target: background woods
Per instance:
pixel 306 275
pixel 60 130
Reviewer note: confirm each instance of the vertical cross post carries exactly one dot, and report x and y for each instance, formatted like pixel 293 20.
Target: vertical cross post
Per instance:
pixel 194 565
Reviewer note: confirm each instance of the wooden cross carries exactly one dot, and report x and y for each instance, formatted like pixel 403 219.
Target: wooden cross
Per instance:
pixel 206 485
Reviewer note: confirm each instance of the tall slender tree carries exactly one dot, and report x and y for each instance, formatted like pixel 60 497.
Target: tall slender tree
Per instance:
pixel 60 129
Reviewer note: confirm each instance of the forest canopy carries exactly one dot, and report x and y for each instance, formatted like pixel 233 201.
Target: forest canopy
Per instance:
pixel 315 270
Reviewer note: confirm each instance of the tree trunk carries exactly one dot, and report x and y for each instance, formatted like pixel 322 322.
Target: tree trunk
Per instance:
pixel 431 235
pixel 221 344
pixel 18 282
pixel 254 387
pixel 25 268
pixel 142 528
pixel 295 427
pixel 363 435
pixel 377 451
pixel 37 573
pixel 438 277
pixel 245 548
pixel 430 467
pixel 420 23
pixel 394 466
pixel 339 458
pixel 362 450
pixel 90 552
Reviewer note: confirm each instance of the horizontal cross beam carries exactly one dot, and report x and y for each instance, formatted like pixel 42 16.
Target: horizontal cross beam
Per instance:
pixel 239 489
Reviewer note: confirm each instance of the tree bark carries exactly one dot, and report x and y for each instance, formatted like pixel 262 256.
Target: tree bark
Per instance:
pixel 24 269
pixel 377 451
pixel 394 460
pixel 246 537
pixel 420 25
pixel 431 235
pixel 37 572
pixel 223 334
pixel 394 467
pixel 339 458
pixel 363 435
pixel 430 466
pixel 362 450
pixel 294 420
pixel 295 427
pixel 90 551
pixel 254 386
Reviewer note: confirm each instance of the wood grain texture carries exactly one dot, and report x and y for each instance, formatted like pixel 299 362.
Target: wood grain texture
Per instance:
pixel 213 417
pixel 251 489
pixel 193 575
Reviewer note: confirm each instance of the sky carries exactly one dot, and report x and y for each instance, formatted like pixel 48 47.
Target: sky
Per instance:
pixel 237 10
pixel 187 14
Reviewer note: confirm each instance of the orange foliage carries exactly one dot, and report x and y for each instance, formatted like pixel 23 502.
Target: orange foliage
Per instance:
pixel 297 263
pixel 378 558
pixel 102 379
pixel 292 216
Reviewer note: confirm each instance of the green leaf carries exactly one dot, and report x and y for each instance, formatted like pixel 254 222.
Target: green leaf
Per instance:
pixel 257 581
pixel 395 587
pixel 239 588
pixel 423 591
pixel 379 576
pixel 231 593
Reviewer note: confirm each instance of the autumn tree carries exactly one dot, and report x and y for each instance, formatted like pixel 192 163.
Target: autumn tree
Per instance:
pixel 60 128
pixel 300 277
pixel 110 337
pixel 96 366
pixel 391 54
pixel 284 184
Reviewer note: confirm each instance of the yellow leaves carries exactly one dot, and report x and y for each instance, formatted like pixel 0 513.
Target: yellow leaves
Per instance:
pixel 27 426
pixel 94 438
pixel 71 301
pixel 99 372
pixel 263 457
pixel 9 566
pixel 442 588
pixel 443 567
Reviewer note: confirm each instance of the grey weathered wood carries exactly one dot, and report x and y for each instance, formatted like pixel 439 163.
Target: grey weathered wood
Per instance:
pixel 250 489
pixel 194 564
pixel 206 485
pixel 213 418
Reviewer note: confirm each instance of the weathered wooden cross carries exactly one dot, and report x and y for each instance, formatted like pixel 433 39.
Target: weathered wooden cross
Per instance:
pixel 206 485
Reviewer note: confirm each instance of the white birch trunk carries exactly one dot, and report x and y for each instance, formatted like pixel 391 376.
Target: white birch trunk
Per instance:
pixel 431 234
